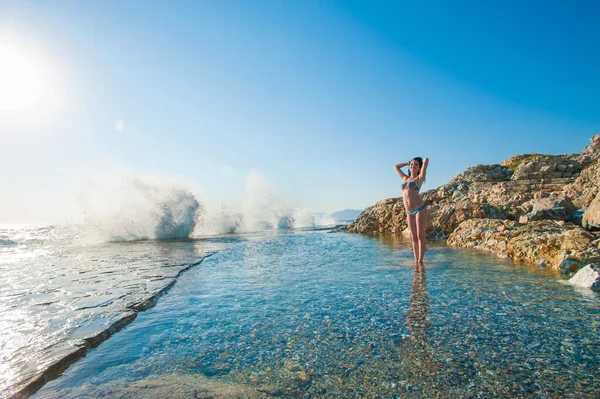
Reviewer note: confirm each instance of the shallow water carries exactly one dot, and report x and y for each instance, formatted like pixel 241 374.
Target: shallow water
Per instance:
pixel 56 291
pixel 312 314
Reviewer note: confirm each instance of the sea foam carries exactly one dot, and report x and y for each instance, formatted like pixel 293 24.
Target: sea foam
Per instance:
pixel 139 208
pixel 118 208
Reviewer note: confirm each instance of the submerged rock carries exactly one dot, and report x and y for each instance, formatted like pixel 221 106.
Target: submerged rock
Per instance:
pixel 588 277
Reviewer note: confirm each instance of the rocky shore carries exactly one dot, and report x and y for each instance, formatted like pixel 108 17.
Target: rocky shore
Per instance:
pixel 540 209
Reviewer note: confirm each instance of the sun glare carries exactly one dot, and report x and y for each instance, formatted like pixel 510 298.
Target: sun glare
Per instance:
pixel 20 80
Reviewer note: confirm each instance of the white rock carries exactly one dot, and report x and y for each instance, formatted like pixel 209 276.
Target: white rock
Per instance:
pixel 585 277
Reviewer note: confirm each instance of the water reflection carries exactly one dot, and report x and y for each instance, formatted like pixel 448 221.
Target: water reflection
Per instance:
pixel 393 240
pixel 417 359
pixel 417 318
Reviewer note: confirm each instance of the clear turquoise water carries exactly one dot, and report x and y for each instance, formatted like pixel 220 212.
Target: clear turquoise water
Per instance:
pixel 314 314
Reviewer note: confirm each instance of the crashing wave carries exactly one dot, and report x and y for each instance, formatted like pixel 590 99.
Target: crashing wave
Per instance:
pixel 140 209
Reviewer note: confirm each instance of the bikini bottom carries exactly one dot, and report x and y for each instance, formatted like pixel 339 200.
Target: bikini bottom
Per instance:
pixel 419 209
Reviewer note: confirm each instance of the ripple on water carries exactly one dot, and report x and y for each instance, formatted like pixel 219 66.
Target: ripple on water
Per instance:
pixel 335 315
pixel 55 293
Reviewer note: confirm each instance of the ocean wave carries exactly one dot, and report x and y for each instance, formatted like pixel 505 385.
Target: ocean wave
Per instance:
pixel 141 209
pixel 135 208
pixel 230 221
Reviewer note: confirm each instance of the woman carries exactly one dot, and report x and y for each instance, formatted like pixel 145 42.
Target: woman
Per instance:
pixel 416 210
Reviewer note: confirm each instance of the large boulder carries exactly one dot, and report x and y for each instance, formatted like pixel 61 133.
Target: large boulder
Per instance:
pixel 552 207
pixel 587 185
pixel 447 216
pixel 587 277
pixel 385 216
pixel 591 217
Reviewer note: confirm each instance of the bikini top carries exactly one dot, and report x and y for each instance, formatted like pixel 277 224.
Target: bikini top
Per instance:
pixel 410 184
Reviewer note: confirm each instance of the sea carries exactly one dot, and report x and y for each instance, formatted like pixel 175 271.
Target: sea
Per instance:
pixel 282 311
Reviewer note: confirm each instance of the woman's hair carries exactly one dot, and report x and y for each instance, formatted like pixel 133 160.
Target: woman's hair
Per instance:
pixel 419 161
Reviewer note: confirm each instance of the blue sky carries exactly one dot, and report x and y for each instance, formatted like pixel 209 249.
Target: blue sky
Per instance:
pixel 319 97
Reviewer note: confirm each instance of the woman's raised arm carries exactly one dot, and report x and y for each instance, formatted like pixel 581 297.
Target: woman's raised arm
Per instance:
pixel 399 171
pixel 424 168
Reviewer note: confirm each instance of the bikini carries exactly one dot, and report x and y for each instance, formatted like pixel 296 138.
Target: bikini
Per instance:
pixel 409 184
pixel 419 209
pixel 416 188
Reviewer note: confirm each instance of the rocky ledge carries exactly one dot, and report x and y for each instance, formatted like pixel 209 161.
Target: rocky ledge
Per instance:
pixel 541 209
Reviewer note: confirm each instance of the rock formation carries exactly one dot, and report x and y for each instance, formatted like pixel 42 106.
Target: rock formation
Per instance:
pixel 541 209
pixel 546 243
pixel 587 277
pixel 591 217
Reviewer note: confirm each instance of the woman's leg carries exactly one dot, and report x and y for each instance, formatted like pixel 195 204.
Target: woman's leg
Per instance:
pixel 412 226
pixel 421 227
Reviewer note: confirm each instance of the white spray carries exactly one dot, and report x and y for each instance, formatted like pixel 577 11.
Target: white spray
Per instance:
pixel 138 208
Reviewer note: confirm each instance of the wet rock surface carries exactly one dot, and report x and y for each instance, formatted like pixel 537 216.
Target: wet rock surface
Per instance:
pixel 175 386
